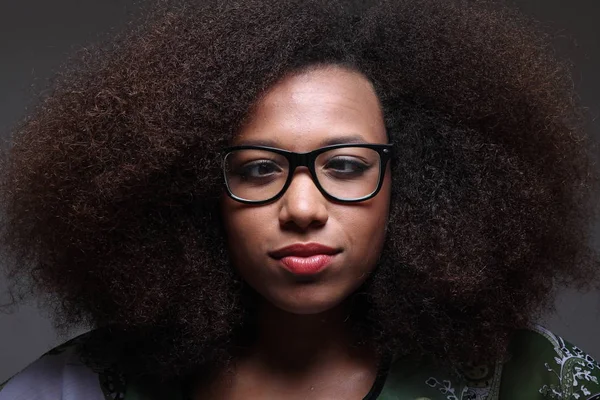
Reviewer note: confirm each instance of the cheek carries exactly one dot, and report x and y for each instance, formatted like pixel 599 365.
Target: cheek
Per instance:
pixel 242 226
pixel 365 226
pixel 379 211
pixel 250 234
pixel 377 223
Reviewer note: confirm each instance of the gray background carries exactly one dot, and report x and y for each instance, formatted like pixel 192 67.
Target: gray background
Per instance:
pixel 37 35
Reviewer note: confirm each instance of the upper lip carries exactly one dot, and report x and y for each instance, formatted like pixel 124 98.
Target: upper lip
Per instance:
pixel 303 250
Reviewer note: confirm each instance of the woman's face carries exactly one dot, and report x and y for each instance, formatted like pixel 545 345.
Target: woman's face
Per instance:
pixel 302 113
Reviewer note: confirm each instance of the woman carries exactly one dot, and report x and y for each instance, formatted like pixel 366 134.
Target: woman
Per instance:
pixel 307 199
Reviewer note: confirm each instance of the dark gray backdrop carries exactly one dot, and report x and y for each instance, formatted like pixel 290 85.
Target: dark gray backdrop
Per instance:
pixel 37 35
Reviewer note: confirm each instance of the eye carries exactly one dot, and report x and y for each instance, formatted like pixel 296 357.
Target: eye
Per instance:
pixel 346 166
pixel 258 169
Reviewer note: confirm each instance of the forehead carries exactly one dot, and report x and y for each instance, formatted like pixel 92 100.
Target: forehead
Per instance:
pixel 314 108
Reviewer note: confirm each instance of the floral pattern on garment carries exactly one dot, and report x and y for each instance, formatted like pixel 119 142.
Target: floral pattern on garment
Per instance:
pixel 555 370
pixel 577 376
pixel 576 371
pixel 543 366
pixel 481 383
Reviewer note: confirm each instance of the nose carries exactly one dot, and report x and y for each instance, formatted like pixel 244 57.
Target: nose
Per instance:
pixel 303 205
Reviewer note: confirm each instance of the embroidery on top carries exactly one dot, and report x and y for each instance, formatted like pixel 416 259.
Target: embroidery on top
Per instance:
pixel 573 369
pixel 481 382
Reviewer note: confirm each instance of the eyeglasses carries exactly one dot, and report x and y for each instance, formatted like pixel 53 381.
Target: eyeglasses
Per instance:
pixel 343 172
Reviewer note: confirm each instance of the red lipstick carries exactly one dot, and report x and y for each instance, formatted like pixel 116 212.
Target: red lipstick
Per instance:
pixel 305 258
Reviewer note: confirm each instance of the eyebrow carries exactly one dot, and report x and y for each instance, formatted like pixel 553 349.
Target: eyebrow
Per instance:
pixel 344 139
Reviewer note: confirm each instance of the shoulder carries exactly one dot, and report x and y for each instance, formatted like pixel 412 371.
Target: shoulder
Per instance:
pixel 541 366
pixel 59 374
pixel 545 365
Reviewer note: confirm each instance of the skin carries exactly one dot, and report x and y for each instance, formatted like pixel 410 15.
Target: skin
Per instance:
pixel 304 350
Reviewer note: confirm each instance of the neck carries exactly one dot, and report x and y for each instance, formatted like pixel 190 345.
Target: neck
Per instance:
pixel 313 353
pixel 302 342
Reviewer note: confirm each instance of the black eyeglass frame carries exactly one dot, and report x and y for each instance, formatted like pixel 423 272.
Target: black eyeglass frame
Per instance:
pixel 308 160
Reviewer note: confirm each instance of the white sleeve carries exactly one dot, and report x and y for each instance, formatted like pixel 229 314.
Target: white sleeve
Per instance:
pixel 54 376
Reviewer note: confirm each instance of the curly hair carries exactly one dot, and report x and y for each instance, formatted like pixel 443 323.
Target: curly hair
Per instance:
pixel 110 189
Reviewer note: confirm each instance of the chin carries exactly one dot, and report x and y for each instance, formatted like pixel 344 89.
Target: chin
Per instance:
pixel 307 305
pixel 307 309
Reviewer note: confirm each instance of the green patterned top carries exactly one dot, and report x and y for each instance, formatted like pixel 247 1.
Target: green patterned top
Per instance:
pixel 542 366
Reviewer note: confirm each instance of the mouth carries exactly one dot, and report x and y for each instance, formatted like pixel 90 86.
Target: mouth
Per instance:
pixel 305 258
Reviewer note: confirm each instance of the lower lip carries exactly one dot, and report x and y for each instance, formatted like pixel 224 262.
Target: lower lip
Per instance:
pixel 306 265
